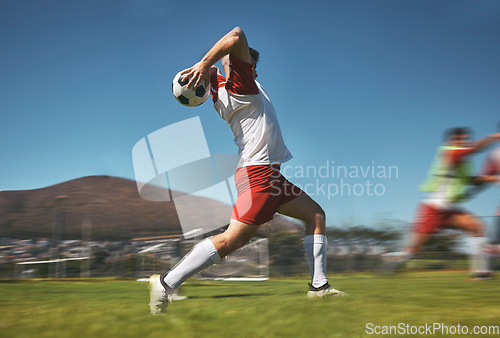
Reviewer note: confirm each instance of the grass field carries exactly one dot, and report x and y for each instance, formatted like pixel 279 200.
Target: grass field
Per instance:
pixel 278 307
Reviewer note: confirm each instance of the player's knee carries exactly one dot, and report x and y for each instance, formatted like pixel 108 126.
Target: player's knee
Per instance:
pixel 320 220
pixel 320 216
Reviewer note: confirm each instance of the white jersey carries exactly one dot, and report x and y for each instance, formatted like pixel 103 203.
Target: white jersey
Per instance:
pixel 244 104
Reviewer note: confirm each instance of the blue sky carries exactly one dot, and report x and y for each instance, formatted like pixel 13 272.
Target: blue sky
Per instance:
pixel 356 82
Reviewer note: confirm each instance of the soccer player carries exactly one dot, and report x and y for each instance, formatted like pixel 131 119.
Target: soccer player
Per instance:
pixel 244 104
pixel 491 174
pixel 449 176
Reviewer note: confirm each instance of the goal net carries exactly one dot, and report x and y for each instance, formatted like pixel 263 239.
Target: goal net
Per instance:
pixel 251 262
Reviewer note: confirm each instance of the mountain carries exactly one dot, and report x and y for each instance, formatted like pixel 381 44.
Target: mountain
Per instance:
pixel 111 205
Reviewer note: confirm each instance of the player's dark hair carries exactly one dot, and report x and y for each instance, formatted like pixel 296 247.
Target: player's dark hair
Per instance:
pixel 255 54
pixel 458 131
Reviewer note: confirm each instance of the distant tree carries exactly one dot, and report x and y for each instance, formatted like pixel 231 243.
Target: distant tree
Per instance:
pixel 362 235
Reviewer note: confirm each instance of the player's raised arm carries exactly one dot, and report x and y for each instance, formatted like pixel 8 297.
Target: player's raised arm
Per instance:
pixel 234 43
pixel 457 155
pixel 483 143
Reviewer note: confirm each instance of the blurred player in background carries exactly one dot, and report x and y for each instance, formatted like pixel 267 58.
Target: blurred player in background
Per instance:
pixel 446 186
pixel 244 104
pixel 490 172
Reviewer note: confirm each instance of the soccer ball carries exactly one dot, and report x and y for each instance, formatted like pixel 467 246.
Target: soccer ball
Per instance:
pixel 190 97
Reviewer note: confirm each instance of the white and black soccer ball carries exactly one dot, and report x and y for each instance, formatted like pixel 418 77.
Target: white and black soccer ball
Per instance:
pixel 190 97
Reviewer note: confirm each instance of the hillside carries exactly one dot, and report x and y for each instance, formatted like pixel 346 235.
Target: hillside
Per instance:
pixel 112 204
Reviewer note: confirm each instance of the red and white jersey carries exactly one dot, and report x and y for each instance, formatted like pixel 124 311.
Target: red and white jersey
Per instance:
pixel 244 104
pixel 491 166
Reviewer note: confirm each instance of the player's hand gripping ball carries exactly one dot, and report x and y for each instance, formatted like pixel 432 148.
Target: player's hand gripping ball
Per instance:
pixel 190 97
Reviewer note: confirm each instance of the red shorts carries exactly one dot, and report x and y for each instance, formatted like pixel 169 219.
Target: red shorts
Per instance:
pixel 261 190
pixel 430 219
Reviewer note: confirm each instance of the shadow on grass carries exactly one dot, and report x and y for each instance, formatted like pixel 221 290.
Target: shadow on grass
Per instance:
pixel 238 295
pixel 231 296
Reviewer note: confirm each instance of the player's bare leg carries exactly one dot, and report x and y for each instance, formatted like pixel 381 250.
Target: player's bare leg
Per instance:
pixel 466 222
pixel 416 242
pixel 469 223
pixel 203 255
pixel 304 208
pixel 236 236
pixel 479 257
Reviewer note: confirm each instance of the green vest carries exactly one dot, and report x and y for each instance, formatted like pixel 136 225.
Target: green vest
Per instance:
pixel 456 178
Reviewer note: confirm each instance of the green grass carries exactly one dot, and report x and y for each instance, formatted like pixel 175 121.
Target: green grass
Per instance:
pixel 275 308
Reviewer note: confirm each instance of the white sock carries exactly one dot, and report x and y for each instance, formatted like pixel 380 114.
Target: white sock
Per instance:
pixel 479 258
pixel 201 256
pixel 315 247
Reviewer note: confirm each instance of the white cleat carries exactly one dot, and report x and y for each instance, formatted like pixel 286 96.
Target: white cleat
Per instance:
pixel 159 296
pixel 323 291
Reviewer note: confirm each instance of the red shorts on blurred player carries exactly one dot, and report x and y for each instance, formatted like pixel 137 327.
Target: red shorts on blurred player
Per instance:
pixel 261 190
pixel 430 219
